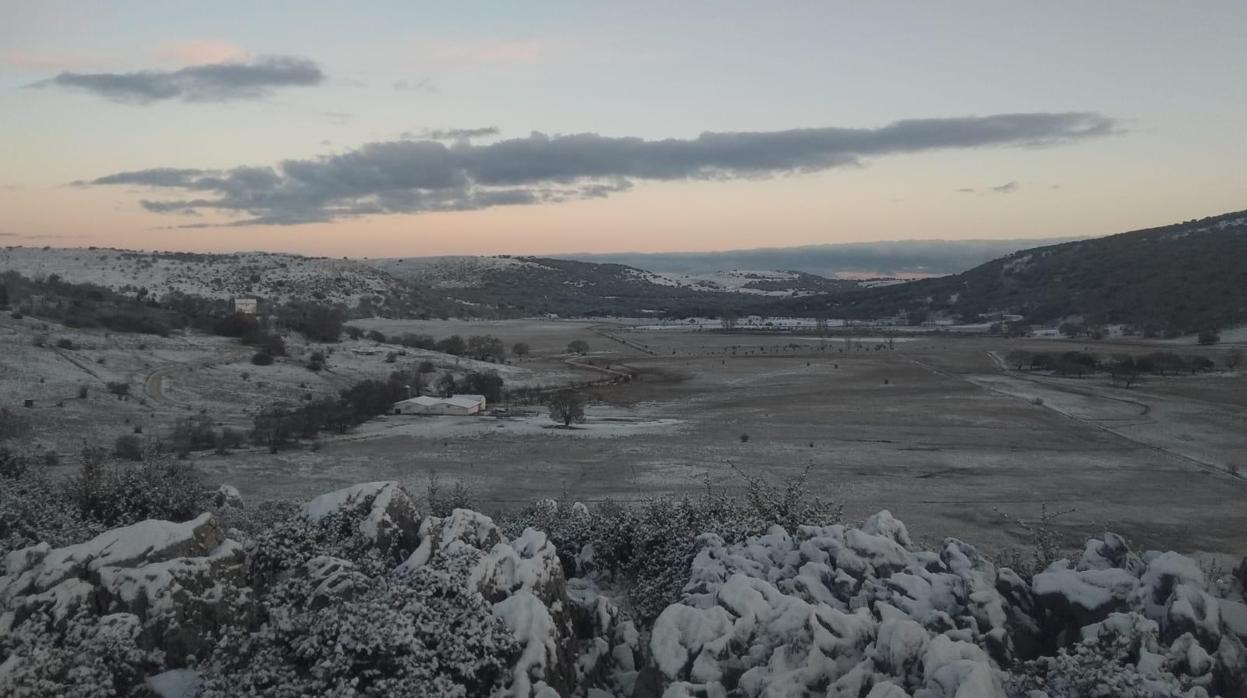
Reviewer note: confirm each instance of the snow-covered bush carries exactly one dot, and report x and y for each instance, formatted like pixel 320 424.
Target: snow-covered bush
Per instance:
pixel 425 632
pixel 34 509
pixel 87 657
pixel 116 494
pixel 650 547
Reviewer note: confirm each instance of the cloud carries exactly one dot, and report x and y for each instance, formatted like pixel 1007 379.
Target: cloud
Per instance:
pixel 1006 188
pixel 199 83
pixel 453 134
pixel 413 176
pixel 422 85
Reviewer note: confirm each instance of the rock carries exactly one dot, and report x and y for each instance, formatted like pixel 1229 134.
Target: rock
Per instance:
pixel 388 517
pixel 1071 598
pixel 227 496
pixel 143 542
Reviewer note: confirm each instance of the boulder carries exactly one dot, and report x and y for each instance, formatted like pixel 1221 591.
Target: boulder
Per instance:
pixel 387 516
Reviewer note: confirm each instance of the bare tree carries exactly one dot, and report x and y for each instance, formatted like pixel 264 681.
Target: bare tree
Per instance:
pixel 567 406
pixel 1018 358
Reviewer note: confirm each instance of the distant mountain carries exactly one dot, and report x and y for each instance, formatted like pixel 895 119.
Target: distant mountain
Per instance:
pixel 1182 277
pixel 903 258
pixel 510 285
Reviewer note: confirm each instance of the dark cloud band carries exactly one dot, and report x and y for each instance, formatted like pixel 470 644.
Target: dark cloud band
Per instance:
pixel 201 83
pixel 411 176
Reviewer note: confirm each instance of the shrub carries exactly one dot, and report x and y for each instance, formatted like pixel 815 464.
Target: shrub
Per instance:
pixel 453 344
pixel 521 349
pixel 128 447
pixel 118 388
pixel 119 495
pixel 443 501
pixel 193 433
pixel 1208 337
pixel 578 346
pixel 82 392
pixel 377 336
pixel 262 358
pixel 487 383
pixel 391 638
pixel 65 343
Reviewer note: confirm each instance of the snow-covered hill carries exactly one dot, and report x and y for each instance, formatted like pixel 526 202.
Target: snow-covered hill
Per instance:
pixel 275 277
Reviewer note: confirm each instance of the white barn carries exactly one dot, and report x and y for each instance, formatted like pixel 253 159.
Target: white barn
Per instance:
pixel 247 306
pixel 454 405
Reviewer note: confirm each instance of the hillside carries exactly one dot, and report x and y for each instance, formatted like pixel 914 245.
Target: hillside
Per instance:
pixel 893 258
pixel 275 277
pixel 513 286
pixel 1177 278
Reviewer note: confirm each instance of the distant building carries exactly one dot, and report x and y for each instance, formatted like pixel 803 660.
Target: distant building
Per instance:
pixel 460 405
pixel 246 306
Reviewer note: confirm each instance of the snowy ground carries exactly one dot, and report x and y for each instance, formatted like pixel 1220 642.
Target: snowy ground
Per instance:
pixel 931 429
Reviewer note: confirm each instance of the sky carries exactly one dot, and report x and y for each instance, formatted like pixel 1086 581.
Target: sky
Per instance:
pixel 407 128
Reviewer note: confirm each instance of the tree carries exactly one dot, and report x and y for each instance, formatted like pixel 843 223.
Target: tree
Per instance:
pixel 1233 359
pixel 486 348
pixel 445 384
pixel 487 383
pixel 1123 370
pixel 121 390
pixel 728 319
pixel 567 406
pixel 521 349
pixel 1018 358
pixel 1209 336
pixel 317 322
pixel 578 346
pixel 453 345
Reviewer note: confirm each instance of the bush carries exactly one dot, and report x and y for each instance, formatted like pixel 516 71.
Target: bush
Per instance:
pixel 487 383
pixel 453 345
pixel 392 637
pixel 65 343
pixel 1208 337
pixel 377 336
pixel 262 358
pixel 521 349
pixel 193 433
pixel 119 495
pixel 128 447
pixel 121 390
pixel 650 547
pixel 578 346
pixel 82 392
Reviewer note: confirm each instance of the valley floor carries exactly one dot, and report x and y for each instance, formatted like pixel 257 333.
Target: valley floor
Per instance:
pixel 934 429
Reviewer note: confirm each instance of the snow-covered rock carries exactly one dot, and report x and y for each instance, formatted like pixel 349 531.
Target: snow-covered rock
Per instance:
pixel 388 518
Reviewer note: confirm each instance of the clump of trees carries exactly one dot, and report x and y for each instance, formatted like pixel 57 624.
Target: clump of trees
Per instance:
pixel 578 346
pixel 279 425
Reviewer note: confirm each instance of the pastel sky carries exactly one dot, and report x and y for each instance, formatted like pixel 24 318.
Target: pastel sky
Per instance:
pixel 408 128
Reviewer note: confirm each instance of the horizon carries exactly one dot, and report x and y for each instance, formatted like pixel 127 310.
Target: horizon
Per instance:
pixel 410 132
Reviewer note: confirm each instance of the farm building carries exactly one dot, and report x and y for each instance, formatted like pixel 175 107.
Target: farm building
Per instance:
pixel 246 306
pixel 455 405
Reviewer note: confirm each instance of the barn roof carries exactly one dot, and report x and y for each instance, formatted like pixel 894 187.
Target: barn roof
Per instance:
pixel 456 400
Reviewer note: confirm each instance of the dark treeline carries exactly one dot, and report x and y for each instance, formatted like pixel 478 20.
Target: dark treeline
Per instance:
pixel 277 426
